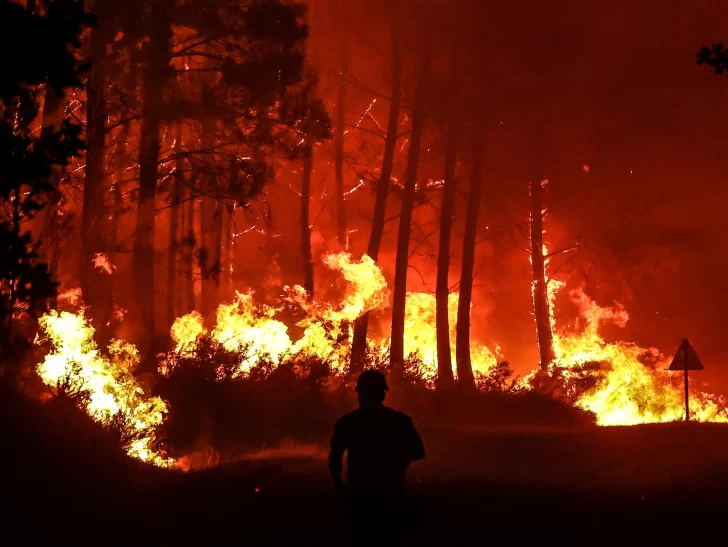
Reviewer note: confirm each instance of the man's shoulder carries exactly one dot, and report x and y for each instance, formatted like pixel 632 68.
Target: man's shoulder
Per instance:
pixel 347 418
pixel 384 413
pixel 396 415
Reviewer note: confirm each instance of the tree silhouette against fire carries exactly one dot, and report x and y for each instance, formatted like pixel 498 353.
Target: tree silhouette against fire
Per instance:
pixel 30 160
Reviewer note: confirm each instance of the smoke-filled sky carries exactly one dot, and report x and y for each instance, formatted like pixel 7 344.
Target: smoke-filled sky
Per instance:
pixel 632 137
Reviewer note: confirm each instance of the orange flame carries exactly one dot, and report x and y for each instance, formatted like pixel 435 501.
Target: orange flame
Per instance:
pixel 327 328
pixel 109 381
pixel 626 390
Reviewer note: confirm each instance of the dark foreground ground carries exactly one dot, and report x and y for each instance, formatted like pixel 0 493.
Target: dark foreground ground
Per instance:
pixel 644 485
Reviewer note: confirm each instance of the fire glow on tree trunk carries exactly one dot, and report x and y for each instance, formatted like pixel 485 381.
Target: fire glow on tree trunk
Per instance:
pixel 174 213
pixel 210 234
pixel 399 299
pixel 156 70
pixel 361 325
pixel 52 117
pixel 228 243
pixel 541 306
pixel 305 226
pixel 442 290
pixel 189 256
pixel 339 147
pixel 96 228
pixel 124 172
pixel 462 335
pixel 227 252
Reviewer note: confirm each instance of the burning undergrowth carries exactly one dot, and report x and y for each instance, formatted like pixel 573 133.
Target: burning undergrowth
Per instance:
pixel 247 382
pixel 218 414
pixel 104 385
pixel 620 382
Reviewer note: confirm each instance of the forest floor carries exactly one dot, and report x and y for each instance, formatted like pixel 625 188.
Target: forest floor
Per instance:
pixel 578 485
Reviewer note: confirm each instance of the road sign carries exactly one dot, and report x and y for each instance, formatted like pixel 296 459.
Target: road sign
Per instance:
pixel 686 359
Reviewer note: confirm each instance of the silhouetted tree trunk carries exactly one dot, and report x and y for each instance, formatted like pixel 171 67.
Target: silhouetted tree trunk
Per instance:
pixel 174 212
pixel 122 288
pixel 211 227
pixel 462 335
pixel 156 71
pixel 52 117
pixel 217 251
pixel 339 146
pixel 442 287
pixel 361 325
pixel 541 306
pixel 399 300
pixel 305 223
pixel 226 280
pixel 96 228
pixel 189 276
pixel 206 257
pixel 211 250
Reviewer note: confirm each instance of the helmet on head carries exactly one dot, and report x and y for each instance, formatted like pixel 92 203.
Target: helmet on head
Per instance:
pixel 371 380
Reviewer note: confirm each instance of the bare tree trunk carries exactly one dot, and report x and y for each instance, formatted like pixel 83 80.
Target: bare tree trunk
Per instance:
pixel 211 233
pixel 361 325
pixel 339 146
pixel 462 336
pixel 52 117
pixel 156 70
pixel 305 223
pixel 174 212
pixel 442 286
pixel 541 306
pixel 189 277
pixel 399 300
pixel 205 255
pixel 96 236
pixel 211 250
pixel 228 241
pixel 227 253
pixel 122 287
pixel 217 251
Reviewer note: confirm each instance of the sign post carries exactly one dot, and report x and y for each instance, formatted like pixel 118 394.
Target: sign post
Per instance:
pixel 686 359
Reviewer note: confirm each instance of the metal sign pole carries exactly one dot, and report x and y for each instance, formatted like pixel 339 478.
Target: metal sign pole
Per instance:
pixel 686 359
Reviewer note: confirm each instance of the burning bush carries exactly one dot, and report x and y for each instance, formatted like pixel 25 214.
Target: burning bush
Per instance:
pixel 103 384
pixel 220 413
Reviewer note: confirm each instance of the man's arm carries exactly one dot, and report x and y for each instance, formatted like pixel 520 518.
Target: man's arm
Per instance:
pixel 415 448
pixel 338 447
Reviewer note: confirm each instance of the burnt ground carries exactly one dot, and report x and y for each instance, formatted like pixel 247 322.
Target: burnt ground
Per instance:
pixel 67 484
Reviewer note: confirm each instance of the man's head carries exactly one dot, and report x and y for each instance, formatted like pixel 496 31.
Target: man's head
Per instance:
pixel 371 387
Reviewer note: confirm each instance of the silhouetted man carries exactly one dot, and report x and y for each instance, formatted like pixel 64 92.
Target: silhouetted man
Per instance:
pixel 380 443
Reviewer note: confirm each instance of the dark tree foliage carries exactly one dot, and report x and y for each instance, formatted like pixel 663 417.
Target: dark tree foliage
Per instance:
pixel 47 56
pixel 715 57
pixel 231 73
pixel 29 158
